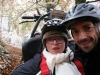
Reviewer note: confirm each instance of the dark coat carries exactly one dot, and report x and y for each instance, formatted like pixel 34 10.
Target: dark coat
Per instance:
pixel 31 67
pixel 91 61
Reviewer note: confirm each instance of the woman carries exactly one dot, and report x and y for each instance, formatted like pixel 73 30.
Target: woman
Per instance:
pixel 56 55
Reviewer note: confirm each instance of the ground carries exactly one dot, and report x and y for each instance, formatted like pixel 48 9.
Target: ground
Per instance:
pixel 14 60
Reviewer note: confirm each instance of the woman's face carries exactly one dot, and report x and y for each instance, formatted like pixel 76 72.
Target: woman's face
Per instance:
pixel 55 45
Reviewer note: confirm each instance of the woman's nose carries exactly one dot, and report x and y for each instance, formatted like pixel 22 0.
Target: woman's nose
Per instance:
pixel 54 41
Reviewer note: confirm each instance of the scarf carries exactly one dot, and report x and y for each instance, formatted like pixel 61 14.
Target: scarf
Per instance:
pixel 61 62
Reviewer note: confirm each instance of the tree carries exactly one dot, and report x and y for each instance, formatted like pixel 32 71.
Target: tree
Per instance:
pixel 15 9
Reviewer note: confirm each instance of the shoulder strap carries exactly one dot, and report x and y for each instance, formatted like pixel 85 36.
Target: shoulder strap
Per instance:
pixel 79 66
pixel 43 66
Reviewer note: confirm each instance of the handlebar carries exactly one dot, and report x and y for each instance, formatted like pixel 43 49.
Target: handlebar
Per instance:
pixel 37 19
pixel 25 21
pixel 30 17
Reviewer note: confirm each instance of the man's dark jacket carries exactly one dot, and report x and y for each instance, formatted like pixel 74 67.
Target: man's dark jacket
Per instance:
pixel 91 61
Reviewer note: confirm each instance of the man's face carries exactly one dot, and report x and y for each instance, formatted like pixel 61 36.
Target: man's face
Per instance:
pixel 85 35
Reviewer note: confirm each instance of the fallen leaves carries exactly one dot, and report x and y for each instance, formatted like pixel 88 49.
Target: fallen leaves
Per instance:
pixel 10 58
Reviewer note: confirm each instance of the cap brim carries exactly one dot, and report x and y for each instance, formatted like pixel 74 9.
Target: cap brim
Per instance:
pixel 67 23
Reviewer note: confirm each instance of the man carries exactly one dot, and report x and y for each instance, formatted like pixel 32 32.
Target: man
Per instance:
pixel 84 21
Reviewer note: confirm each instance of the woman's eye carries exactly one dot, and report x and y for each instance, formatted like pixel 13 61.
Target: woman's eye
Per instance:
pixel 50 39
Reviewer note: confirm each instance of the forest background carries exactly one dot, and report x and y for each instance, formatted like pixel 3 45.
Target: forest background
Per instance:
pixel 13 33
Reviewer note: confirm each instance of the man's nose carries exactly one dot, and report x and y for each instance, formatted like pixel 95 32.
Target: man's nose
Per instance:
pixel 82 35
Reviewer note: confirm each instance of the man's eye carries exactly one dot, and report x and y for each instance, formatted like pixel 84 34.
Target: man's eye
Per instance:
pixel 74 32
pixel 88 28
